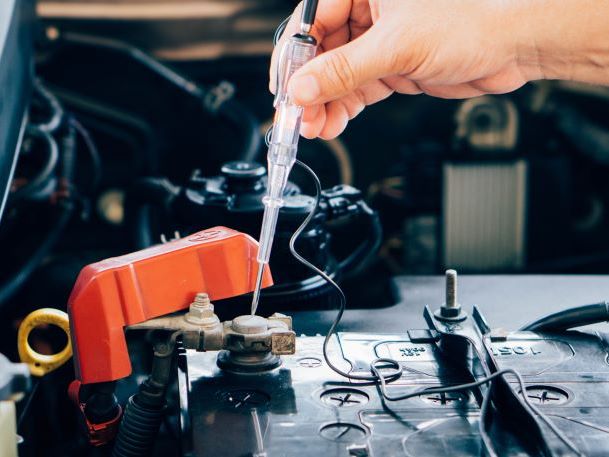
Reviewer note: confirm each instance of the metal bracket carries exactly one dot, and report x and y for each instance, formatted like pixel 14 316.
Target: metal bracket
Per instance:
pixel 468 342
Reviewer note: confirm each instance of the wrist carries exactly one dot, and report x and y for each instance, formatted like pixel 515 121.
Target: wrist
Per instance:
pixel 563 39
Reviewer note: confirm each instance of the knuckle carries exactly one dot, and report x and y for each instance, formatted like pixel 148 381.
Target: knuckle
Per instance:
pixel 358 104
pixel 429 90
pixel 360 96
pixel 340 72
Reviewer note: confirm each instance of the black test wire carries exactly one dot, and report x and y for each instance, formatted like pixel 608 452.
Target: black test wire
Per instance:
pixel 396 369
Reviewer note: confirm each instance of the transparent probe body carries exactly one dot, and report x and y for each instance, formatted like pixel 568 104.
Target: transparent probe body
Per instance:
pixel 296 51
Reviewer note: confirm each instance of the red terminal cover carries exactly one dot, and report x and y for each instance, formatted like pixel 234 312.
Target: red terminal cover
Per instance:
pixel 133 288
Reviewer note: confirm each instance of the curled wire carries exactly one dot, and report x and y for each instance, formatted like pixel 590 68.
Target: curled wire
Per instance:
pixel 280 29
pixel 397 369
pixel 268 135
pixel 382 378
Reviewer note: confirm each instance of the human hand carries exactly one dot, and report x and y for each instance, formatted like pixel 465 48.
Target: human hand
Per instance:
pixel 369 49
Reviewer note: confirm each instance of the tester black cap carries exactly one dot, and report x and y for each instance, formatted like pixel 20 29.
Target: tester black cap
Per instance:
pixel 309 9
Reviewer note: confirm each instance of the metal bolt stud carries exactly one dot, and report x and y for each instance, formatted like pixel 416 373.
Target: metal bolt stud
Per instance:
pixel 451 309
pixel 201 299
pixel 451 289
pixel 201 311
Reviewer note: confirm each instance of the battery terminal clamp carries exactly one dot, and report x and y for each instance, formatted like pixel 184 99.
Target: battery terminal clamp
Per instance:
pixel 247 343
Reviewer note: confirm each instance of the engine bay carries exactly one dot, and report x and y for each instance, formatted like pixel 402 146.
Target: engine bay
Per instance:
pixel 134 168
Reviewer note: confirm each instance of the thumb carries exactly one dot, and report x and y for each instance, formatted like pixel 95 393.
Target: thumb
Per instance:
pixel 341 70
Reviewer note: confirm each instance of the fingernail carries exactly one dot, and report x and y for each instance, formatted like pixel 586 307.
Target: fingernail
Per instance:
pixel 305 89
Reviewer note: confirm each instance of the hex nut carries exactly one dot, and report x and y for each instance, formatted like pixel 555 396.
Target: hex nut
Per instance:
pixel 201 311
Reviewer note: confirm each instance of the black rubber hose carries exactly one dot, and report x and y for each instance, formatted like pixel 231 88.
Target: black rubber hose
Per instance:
pixel 55 120
pixel 104 118
pixel 589 138
pixel 145 410
pixel 37 182
pixel 359 259
pixel 66 206
pixel 243 119
pixel 570 318
pixel 142 229
pixel 144 194
pixel 139 56
pixel 138 430
pixel 12 285
pixel 231 109
pixel 153 190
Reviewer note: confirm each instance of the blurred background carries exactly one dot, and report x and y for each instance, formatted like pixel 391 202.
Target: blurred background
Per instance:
pixel 160 96
pixel 511 183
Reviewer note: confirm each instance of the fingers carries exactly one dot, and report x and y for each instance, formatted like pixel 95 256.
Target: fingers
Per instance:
pixel 457 91
pixel 335 39
pixel 337 117
pixel 500 83
pixel 331 16
pixel 311 113
pixel 402 85
pixel 312 128
pixel 330 120
pixel 337 72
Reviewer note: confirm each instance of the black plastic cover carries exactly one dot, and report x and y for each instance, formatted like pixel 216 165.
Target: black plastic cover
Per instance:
pixel 304 409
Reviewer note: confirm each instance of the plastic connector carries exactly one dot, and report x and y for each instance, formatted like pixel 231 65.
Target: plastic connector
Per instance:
pixel 98 433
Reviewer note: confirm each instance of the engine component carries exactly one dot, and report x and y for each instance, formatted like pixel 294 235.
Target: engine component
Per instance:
pixel 451 309
pixel 484 215
pixel 41 364
pixel 53 184
pixel 571 318
pixel 487 124
pixel 100 412
pixel 235 199
pixel 485 190
pixel 250 344
pixel 253 343
pixel 217 100
pixel 247 343
pixel 122 291
pixel 305 407
pixel 130 292
pixel 145 410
